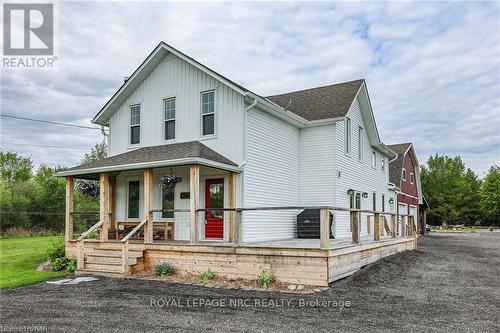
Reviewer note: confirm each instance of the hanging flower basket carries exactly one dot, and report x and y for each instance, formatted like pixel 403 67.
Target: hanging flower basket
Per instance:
pixel 169 181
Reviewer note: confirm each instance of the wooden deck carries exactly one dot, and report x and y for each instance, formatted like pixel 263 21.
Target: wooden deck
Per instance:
pixel 291 261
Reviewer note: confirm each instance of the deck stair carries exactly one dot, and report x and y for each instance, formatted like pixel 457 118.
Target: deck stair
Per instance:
pixel 107 261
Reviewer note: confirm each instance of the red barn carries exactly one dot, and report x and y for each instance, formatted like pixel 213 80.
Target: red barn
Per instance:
pixel 404 175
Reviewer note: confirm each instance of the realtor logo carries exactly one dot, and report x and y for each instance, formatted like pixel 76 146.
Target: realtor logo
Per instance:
pixel 28 29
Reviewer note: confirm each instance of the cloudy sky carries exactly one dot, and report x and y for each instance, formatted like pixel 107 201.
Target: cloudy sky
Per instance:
pixel 432 68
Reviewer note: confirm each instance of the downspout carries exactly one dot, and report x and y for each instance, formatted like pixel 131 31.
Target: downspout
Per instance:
pixel 245 132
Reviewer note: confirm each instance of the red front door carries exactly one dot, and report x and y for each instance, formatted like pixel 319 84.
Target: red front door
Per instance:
pixel 214 198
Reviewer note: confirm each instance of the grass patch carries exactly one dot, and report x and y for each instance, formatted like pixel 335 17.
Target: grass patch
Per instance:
pixel 455 230
pixel 19 257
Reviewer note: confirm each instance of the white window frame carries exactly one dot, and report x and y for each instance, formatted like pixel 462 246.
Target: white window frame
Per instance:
pixel 174 119
pixel 403 174
pixel 360 143
pixel 382 163
pixel 374 159
pixel 412 178
pixel 130 144
pixel 206 114
pixel 383 202
pixel 347 136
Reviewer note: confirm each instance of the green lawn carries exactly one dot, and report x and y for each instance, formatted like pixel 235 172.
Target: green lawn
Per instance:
pixel 456 230
pixel 19 257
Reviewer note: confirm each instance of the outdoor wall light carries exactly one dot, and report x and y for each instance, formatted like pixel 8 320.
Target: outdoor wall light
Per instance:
pixel 350 191
pixel 391 201
pixel 365 195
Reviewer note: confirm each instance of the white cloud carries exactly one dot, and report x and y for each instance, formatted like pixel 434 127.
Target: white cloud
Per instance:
pixel 432 68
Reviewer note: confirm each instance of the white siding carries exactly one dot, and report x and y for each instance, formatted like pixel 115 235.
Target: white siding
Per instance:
pixel 317 165
pixel 357 175
pixel 271 177
pixel 176 78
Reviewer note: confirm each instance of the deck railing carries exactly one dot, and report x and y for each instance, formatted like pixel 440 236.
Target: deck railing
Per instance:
pixel 125 245
pixel 80 258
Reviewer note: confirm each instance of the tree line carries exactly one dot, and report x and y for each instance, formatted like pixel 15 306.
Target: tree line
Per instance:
pixel 456 195
pixel 33 198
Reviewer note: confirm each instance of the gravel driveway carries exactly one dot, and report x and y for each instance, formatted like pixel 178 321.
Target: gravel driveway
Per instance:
pixel 451 283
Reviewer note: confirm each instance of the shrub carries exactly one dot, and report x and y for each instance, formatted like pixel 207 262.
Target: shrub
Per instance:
pixel 56 251
pixel 207 276
pixel 265 279
pixel 58 258
pixel 164 269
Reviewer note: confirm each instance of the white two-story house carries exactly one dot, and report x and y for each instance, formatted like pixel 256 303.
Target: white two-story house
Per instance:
pixel 231 147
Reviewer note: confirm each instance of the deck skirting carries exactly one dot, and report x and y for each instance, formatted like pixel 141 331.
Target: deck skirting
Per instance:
pixel 296 266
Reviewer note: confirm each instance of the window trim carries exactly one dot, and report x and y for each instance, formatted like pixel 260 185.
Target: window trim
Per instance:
pixel 360 143
pixel 133 179
pixel 382 163
pixel 164 121
pixel 205 136
pixel 348 136
pixel 130 106
pixel 412 178
pixel 168 219
pixel 374 159
pixel 403 174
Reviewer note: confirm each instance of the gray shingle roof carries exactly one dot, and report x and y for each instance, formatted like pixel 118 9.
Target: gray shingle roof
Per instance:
pixel 175 151
pixel 322 102
pixel 396 166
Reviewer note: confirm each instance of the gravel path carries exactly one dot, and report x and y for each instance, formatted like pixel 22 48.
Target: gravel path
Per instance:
pixel 451 283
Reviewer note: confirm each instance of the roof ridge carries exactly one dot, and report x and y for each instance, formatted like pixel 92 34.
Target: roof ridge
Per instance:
pixel 314 88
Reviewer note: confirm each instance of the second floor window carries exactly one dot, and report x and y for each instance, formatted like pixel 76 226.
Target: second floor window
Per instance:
pixel 135 124
pixel 169 108
pixel 374 159
pixel 412 178
pixel 383 163
pixel 404 174
pixel 208 113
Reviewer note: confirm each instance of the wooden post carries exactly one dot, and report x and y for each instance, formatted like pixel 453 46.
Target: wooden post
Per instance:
pixel 403 226
pixel 355 226
pixel 148 205
pixel 368 223
pixel 125 266
pixel 104 206
pixel 80 256
pixel 112 205
pixel 69 208
pixel 393 226
pixel 237 228
pixel 232 199
pixel 376 227
pixel 324 228
pixel 194 189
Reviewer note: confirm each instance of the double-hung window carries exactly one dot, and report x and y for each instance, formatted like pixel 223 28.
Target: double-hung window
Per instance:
pixel 412 178
pixel 208 113
pixel 383 163
pixel 374 159
pixel 135 124
pixel 404 174
pixel 347 136
pixel 169 113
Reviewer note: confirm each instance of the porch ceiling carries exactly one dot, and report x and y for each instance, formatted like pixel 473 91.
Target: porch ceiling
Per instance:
pixel 184 153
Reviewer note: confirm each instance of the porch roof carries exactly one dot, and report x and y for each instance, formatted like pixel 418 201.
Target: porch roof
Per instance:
pixel 183 153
